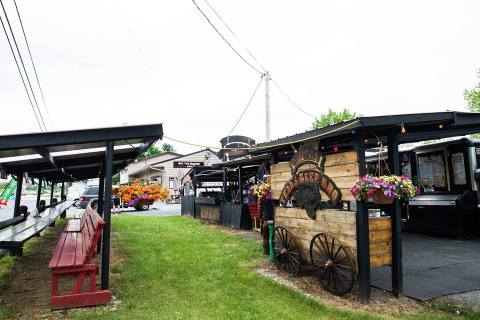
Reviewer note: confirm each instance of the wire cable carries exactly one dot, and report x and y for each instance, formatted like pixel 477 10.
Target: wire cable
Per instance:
pixel 21 75
pixel 287 97
pixel 33 64
pixel 345 126
pixel 246 107
pixel 224 39
pixel 233 33
pixel 23 64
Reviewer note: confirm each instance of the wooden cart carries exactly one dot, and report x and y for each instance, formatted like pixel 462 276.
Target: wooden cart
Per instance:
pixel 327 239
pixel 328 244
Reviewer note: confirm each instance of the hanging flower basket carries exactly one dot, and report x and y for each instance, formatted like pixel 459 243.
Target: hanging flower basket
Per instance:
pixel 380 198
pixel 383 189
pixel 141 194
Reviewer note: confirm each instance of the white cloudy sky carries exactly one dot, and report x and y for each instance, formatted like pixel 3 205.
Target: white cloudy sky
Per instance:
pixel 373 57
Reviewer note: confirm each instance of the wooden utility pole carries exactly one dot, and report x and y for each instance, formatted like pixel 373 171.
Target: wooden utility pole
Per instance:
pixel 267 106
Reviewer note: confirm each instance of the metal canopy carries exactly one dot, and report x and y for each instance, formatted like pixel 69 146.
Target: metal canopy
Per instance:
pixel 418 127
pixel 75 154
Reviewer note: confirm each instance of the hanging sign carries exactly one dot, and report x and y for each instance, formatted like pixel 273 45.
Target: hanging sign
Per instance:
pixel 186 164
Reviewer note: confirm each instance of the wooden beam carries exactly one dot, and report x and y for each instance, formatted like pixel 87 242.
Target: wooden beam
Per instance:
pixel 396 217
pixel 107 207
pixel 363 241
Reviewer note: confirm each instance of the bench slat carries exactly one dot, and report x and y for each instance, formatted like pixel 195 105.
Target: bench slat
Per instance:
pixel 57 251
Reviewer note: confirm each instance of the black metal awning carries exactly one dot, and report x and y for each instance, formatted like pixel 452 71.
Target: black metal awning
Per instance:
pixel 416 127
pixel 75 154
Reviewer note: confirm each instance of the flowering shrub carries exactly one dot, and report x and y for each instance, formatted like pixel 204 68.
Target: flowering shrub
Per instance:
pixel 135 192
pixel 399 187
pixel 260 191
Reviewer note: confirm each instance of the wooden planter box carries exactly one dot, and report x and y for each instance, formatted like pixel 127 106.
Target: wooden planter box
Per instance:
pixel 341 225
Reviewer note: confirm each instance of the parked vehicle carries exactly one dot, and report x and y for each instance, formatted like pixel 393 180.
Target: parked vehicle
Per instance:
pixel 90 193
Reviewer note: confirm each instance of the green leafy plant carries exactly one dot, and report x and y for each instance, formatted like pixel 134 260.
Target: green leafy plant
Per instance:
pixel 333 117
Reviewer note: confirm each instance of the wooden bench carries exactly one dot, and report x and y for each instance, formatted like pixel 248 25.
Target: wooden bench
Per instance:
pixel 72 257
pixel 14 237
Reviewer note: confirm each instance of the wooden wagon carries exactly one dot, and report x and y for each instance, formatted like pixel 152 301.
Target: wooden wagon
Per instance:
pixel 326 238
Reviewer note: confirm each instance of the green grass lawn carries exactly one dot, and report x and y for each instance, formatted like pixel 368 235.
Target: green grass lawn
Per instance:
pixel 177 268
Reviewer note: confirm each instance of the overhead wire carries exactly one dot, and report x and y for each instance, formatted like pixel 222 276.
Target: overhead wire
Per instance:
pixel 342 127
pixel 20 72
pixel 22 63
pixel 33 63
pixel 224 39
pixel 246 107
pixel 233 33
pixel 287 97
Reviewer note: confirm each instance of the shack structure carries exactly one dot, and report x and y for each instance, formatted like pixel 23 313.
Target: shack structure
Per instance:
pixel 329 160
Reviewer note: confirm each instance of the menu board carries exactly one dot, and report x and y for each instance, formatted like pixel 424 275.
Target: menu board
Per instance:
pixel 431 171
pixel 458 164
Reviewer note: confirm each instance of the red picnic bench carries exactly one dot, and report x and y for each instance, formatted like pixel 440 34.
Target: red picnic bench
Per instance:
pixel 72 257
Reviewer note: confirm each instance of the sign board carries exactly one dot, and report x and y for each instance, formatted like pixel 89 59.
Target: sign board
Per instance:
pixel 186 164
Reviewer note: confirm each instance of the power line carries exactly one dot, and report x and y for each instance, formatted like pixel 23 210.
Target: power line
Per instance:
pixel 291 101
pixel 246 107
pixel 287 97
pixel 23 64
pixel 233 33
pixel 33 64
pixel 224 39
pixel 20 72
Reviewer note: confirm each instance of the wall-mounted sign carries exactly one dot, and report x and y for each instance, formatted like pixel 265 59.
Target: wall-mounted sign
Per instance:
pixel 186 164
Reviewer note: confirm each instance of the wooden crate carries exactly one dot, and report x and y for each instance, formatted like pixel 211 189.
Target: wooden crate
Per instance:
pixel 210 212
pixel 341 167
pixel 341 225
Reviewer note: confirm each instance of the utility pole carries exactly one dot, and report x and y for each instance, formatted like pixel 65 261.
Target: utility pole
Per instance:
pixel 267 106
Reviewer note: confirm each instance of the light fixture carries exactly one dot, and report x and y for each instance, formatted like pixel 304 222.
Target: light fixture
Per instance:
pixel 335 148
pixel 294 150
pixel 323 147
pixel 440 125
pixel 365 141
pixel 402 129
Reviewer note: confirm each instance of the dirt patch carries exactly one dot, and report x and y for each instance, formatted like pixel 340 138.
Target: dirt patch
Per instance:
pixel 382 302
pixel 29 286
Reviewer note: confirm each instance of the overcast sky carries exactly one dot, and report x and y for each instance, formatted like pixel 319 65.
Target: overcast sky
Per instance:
pixel 107 63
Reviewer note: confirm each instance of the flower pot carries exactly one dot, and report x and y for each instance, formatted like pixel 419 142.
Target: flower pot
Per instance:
pixel 380 198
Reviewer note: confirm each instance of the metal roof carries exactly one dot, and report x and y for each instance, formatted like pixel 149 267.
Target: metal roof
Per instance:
pixel 419 127
pixel 74 154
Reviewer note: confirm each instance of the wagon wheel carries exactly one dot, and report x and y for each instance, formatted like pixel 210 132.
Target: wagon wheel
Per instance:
pixel 286 251
pixel 336 272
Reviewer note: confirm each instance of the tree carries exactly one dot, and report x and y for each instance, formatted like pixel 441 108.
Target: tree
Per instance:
pixel 154 150
pixel 166 147
pixel 473 96
pixel 332 117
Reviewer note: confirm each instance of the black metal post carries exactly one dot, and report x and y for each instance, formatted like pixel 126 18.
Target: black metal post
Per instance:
pixel 62 191
pixel 39 193
pixel 18 195
pixel 51 193
pixel 101 200
pixel 363 239
pixel 240 185
pixel 396 218
pixel 107 207
pixel 224 180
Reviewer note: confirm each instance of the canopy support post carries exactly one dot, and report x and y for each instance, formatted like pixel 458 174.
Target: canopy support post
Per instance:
pixel 62 191
pixel 396 217
pixel 240 185
pixel 107 206
pixel 363 239
pixel 18 195
pixel 39 193
pixel 51 193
